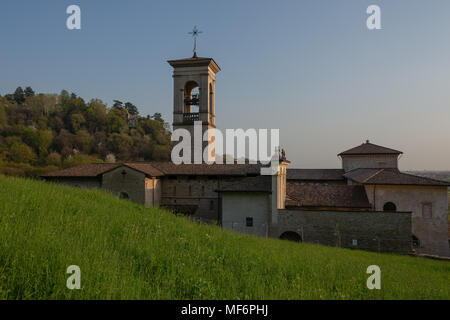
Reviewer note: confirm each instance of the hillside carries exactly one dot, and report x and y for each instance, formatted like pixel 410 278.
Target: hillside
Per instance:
pixel 41 133
pixel 126 251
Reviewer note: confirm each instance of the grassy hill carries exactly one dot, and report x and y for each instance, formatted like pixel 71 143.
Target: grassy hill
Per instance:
pixel 126 251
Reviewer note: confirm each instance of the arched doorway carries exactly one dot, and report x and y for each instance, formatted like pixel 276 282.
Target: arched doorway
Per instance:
pixel 415 241
pixel 291 236
pixel 123 195
pixel 389 207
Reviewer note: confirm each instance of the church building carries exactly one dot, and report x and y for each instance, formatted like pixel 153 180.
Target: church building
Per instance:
pixel 367 204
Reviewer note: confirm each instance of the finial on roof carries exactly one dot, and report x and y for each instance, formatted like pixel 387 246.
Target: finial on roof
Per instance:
pixel 195 32
pixel 367 141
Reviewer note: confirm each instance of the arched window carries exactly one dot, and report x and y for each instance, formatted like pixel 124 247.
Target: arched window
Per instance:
pixel 291 236
pixel 123 195
pixel 191 97
pixel 390 207
pixel 415 241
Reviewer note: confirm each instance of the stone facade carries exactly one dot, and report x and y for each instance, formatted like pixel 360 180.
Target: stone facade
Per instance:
pixel 428 205
pixel 377 231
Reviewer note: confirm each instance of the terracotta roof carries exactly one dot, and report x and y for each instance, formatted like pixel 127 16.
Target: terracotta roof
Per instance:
pixel 146 168
pixel 315 174
pixel 248 184
pixel 390 177
pixel 338 196
pixel 169 168
pixel 89 170
pixel 369 148
pixel 157 169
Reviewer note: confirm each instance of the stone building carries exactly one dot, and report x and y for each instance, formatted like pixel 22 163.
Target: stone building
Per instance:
pixel 367 204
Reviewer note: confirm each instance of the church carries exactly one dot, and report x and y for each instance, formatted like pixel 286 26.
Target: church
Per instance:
pixel 367 204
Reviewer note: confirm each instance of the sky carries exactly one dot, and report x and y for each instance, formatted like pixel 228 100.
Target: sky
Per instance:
pixel 310 68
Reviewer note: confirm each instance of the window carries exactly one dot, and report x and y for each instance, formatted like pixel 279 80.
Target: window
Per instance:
pixel 389 207
pixel 174 190
pixel 415 242
pixel 249 222
pixel 190 190
pixel 211 205
pixel 203 190
pixel 427 210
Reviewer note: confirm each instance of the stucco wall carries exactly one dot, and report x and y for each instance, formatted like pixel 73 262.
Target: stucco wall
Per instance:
pixel 238 206
pixel 126 180
pixel 152 192
pixel 431 231
pixel 377 231
pixel 369 161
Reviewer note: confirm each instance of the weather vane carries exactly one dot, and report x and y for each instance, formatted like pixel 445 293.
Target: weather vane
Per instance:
pixel 195 32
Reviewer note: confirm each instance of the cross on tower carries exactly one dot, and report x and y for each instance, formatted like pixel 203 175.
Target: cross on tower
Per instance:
pixel 195 32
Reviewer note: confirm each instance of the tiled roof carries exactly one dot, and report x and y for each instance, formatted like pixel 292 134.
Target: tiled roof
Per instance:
pixel 169 168
pixel 157 169
pixel 146 168
pixel 89 170
pixel 248 184
pixel 337 196
pixel 315 174
pixel 369 148
pixel 390 177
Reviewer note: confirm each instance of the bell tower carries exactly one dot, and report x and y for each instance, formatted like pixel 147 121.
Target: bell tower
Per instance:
pixel 194 82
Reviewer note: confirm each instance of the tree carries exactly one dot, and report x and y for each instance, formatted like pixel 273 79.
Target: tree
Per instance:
pixel 20 152
pixel 53 159
pixel 29 92
pixel 117 104
pixel 157 116
pixel 19 95
pixel 131 108
pixel 76 121
pixel 3 120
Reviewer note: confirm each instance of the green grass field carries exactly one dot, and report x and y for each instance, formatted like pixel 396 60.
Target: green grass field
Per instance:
pixel 126 251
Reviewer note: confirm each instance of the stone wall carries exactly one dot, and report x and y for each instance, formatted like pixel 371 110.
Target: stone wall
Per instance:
pixel 376 231
pixel 429 207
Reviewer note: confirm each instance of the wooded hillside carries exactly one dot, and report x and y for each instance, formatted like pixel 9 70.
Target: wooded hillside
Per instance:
pixel 45 132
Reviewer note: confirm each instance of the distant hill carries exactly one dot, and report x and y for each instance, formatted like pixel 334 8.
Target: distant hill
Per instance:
pixel 127 251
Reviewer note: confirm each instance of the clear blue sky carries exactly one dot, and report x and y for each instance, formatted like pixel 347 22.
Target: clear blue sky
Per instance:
pixel 310 68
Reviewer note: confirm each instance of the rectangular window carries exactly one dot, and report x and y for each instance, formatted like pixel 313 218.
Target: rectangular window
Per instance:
pixel 249 222
pixel 427 210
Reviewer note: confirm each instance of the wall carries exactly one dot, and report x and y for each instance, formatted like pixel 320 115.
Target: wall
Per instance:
pixel 237 206
pixel 369 161
pixel 192 191
pixel 127 180
pixel 152 192
pixel 377 231
pixel 431 231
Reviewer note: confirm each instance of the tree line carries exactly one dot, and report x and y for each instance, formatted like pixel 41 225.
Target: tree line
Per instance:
pixel 45 132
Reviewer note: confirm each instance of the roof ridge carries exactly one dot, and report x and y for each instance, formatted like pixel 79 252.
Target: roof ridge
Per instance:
pixel 376 173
